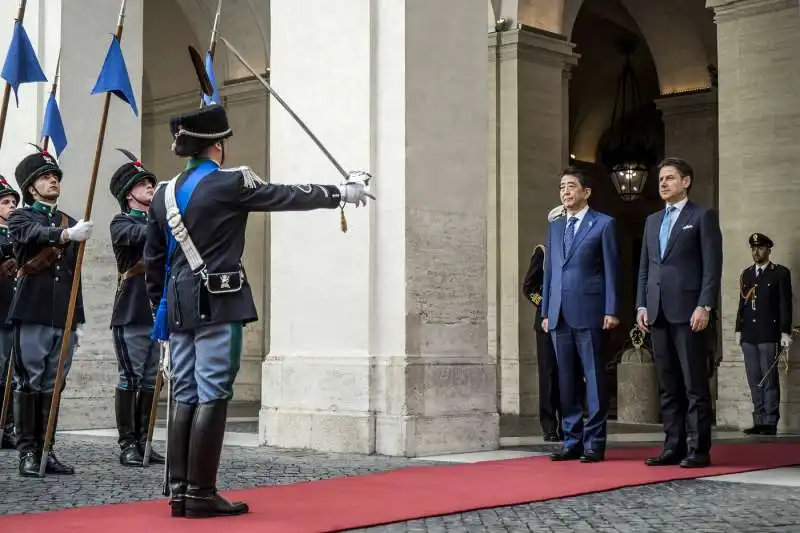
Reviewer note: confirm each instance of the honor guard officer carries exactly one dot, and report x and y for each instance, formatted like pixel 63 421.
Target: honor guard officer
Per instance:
pixel 46 247
pixel 132 318
pixel 763 327
pixel 9 198
pixel 549 402
pixel 206 298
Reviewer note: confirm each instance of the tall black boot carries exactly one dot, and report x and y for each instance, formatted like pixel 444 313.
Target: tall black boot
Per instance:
pixel 144 404
pixel 125 406
pixel 180 430
pixel 9 441
pixel 25 415
pixel 54 466
pixel 208 431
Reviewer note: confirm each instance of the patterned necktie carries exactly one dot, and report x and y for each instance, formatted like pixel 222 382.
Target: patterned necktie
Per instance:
pixel 666 224
pixel 569 234
pixel 758 271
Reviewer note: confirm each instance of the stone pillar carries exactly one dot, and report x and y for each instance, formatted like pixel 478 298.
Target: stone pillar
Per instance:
pixel 85 37
pixel 691 132
pixel 528 73
pixel 378 336
pixel 759 130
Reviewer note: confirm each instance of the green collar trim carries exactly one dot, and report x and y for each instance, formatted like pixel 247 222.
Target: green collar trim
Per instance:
pixel 195 161
pixel 137 214
pixel 48 210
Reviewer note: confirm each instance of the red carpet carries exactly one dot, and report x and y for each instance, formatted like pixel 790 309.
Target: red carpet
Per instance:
pixel 346 503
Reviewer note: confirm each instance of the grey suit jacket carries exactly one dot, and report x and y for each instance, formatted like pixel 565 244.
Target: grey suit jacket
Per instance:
pixel 689 274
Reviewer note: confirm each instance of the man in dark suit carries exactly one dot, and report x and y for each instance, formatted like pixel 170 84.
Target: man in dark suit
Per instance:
pixel 763 326
pixel 579 301
pixel 680 271
pixel 549 412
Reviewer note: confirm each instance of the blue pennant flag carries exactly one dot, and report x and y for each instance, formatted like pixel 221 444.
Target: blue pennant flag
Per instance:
pixel 22 65
pixel 214 98
pixel 114 77
pixel 53 125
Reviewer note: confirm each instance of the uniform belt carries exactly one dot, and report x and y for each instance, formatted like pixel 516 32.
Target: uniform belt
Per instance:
pixel 135 270
pixel 46 257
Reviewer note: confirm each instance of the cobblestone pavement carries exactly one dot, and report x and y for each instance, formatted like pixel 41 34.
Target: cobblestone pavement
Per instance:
pixel 696 506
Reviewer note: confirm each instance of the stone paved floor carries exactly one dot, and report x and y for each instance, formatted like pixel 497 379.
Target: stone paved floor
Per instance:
pixel 687 506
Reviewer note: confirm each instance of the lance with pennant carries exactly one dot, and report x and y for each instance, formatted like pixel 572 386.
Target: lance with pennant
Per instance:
pixel 113 79
pixel 21 65
pixel 53 127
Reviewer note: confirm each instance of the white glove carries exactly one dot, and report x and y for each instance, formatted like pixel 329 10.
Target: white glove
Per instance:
pixel 738 338
pixel 81 231
pixel 356 189
pixel 78 334
pixel 786 340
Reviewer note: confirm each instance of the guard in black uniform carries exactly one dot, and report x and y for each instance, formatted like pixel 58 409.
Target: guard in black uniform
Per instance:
pixel 132 316
pixel 9 198
pixel 549 403
pixel 763 328
pixel 195 241
pixel 46 248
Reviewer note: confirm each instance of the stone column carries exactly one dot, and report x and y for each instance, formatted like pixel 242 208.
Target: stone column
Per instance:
pixel 691 132
pixel 378 336
pixel 85 34
pixel 528 76
pixel 759 130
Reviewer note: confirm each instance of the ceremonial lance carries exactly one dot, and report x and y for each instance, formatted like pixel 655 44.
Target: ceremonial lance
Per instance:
pixel 7 90
pixel 76 279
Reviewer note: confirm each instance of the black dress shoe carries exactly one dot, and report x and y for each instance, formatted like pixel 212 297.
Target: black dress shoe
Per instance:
pixel 768 430
pixel 567 454
pixel 755 430
pixel 695 460
pixel 551 437
pixel 56 467
pixel 593 456
pixel 29 464
pixel 667 458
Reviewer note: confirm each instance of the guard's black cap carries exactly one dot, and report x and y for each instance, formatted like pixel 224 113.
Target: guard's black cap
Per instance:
pixel 6 189
pixel 199 129
pixel 759 239
pixel 126 177
pixel 33 166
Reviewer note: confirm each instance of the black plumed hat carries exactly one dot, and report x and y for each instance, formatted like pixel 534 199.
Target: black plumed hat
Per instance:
pixel 33 166
pixel 127 176
pixel 195 131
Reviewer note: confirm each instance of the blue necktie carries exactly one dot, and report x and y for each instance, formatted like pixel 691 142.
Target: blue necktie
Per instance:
pixel 569 234
pixel 666 224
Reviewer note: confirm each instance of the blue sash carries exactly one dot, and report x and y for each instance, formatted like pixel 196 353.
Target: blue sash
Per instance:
pixel 182 196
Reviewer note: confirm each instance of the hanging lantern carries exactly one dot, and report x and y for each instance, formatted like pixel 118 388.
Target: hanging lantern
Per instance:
pixel 629 180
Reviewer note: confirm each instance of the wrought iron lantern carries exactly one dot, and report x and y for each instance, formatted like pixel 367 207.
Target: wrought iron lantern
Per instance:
pixel 628 157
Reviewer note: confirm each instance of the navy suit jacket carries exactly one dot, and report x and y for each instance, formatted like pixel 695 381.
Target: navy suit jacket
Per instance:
pixel 581 287
pixel 690 273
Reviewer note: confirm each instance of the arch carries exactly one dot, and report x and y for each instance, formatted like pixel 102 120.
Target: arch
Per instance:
pixel 245 24
pixel 166 34
pixel 682 53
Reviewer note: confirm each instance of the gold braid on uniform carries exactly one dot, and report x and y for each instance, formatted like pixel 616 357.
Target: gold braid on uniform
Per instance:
pixel 751 294
pixel 535 297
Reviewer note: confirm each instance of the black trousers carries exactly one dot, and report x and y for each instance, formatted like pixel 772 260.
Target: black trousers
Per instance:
pixel 549 410
pixel 682 366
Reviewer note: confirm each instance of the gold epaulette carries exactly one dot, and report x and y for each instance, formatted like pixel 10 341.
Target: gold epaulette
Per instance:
pixel 536 298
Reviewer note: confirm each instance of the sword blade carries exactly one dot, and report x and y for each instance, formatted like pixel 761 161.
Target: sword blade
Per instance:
pixel 280 100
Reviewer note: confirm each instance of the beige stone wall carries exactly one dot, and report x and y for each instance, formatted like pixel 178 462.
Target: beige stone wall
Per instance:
pixel 759 129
